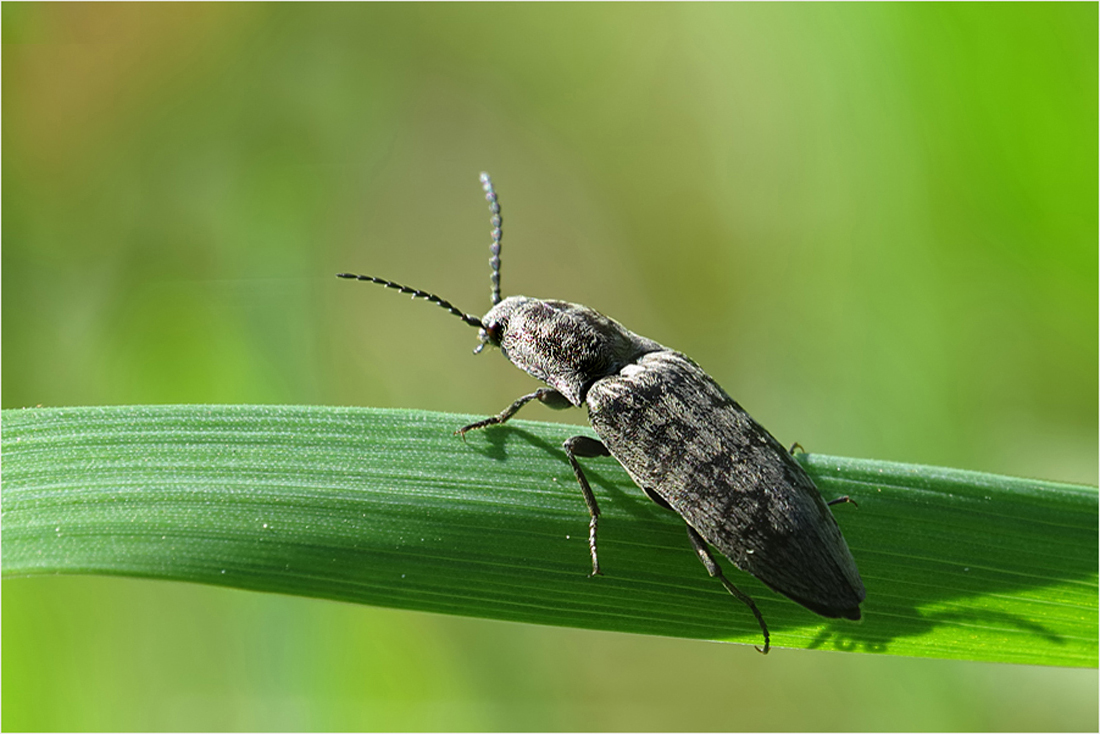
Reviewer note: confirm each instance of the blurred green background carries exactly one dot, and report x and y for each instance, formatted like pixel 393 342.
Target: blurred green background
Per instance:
pixel 875 225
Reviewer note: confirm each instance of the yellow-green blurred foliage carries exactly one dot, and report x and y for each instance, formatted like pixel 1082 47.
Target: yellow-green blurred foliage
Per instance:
pixel 875 225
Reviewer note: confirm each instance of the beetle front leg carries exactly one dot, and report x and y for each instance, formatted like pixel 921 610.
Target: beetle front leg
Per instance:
pixel 588 448
pixel 548 396
pixel 713 569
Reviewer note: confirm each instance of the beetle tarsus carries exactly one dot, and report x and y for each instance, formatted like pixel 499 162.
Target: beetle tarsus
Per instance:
pixel 592 545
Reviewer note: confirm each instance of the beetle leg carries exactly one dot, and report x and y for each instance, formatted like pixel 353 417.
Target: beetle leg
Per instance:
pixel 587 448
pixel 843 499
pixel 546 395
pixel 701 549
pixel 657 498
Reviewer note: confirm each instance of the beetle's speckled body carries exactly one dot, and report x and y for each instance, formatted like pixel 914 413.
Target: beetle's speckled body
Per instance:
pixel 682 439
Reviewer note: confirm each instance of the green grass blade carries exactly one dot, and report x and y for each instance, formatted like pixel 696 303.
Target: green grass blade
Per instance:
pixel 390 508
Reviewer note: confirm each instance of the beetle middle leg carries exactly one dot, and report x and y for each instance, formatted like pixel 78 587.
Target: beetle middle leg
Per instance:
pixel 586 447
pixel 548 396
pixel 713 569
pixel 582 446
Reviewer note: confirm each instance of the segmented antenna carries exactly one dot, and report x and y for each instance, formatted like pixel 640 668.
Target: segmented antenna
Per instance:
pixel 416 293
pixel 494 248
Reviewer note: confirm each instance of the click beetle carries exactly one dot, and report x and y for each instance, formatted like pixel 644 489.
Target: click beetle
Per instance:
pixel 689 446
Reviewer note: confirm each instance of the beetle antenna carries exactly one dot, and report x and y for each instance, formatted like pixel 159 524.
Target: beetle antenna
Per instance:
pixel 416 293
pixel 494 248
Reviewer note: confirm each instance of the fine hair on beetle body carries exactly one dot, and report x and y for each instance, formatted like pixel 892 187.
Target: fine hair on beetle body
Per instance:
pixel 689 446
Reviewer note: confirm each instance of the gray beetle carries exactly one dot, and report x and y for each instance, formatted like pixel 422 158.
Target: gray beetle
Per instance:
pixel 689 446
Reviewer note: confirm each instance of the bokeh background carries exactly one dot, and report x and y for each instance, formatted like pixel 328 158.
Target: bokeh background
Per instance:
pixel 875 225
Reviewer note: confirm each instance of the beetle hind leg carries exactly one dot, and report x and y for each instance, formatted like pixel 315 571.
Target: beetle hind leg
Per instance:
pixel 586 447
pixel 713 569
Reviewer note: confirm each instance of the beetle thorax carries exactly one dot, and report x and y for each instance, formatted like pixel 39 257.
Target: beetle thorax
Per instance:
pixel 565 345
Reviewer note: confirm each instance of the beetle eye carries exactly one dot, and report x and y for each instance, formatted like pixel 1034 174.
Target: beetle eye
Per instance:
pixel 492 333
pixel 489 334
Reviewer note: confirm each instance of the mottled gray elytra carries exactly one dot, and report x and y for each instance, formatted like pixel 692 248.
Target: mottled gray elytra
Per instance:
pixel 689 446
